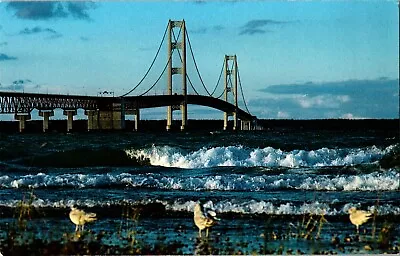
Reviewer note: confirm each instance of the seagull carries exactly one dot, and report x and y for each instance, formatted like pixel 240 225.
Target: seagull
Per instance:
pixel 204 220
pixel 79 218
pixel 358 217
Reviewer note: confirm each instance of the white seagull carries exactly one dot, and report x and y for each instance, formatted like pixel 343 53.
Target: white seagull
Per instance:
pixel 204 220
pixel 358 217
pixel 80 217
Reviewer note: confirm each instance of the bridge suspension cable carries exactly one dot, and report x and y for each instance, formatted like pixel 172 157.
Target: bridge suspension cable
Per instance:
pixel 222 94
pixel 158 79
pixel 219 79
pixel 241 89
pixel 195 64
pixel 151 65
pixel 166 65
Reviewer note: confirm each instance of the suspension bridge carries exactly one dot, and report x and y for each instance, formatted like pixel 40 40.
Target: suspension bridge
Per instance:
pixel 110 112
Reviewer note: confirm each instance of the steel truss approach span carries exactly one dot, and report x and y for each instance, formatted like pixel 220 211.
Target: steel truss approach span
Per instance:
pixel 14 102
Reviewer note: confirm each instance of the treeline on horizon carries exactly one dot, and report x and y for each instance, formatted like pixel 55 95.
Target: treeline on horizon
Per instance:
pixel 216 125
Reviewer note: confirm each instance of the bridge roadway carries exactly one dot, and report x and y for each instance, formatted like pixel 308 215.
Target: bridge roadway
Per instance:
pixel 23 103
pixel 14 102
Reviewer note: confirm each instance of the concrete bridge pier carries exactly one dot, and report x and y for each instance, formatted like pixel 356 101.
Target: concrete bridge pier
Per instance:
pixel 22 118
pixel 245 125
pixel 46 114
pixel 184 116
pixel 137 119
pixel 70 113
pixel 226 116
pixel 92 119
pixel 235 122
pixel 169 118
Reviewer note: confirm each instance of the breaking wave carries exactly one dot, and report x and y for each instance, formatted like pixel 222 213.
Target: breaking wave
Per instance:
pixel 375 181
pixel 248 207
pixel 269 157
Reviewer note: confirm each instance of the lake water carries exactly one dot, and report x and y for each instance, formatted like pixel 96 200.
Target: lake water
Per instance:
pixel 266 186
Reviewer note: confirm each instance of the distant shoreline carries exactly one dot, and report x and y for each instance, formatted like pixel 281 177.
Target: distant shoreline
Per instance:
pixel 388 125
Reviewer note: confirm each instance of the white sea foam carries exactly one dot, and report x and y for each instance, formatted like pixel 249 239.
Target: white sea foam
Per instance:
pixel 269 157
pixel 375 181
pixel 249 207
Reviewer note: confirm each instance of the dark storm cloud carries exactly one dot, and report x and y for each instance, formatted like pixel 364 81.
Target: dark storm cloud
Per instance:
pixel 50 10
pixel 253 27
pixel 4 57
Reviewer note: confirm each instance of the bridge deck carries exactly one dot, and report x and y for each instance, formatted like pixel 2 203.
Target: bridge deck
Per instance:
pixel 14 102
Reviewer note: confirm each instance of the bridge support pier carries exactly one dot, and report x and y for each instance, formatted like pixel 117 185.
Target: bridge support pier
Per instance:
pixel 184 116
pixel 22 118
pixel 169 118
pixel 46 114
pixel 92 119
pixel 235 122
pixel 137 119
pixel 245 125
pixel 70 113
pixel 226 116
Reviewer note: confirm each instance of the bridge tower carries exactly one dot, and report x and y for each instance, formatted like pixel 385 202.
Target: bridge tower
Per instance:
pixel 172 45
pixel 231 59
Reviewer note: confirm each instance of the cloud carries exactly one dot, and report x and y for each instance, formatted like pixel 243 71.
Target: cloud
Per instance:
pixel 3 43
pixel 37 10
pixel 348 87
pixel 350 99
pixel 322 101
pixel 37 30
pixel 4 57
pixel 79 10
pixel 20 85
pixel 50 10
pixel 204 30
pixel 351 116
pixel 253 31
pixel 84 38
pixel 253 27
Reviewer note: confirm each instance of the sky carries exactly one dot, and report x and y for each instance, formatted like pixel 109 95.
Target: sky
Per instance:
pixel 296 59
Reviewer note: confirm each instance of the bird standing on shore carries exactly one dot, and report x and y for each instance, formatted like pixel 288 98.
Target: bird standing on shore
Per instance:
pixel 204 220
pixel 80 217
pixel 358 217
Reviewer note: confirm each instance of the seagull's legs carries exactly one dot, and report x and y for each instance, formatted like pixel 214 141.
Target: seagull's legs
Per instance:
pixel 200 233
pixel 206 232
pixel 76 228
pixel 358 231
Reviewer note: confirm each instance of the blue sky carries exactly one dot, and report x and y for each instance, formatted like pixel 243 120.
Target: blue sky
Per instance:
pixel 302 59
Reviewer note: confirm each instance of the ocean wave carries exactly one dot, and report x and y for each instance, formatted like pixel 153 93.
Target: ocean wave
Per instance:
pixel 269 157
pixel 375 181
pixel 249 207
